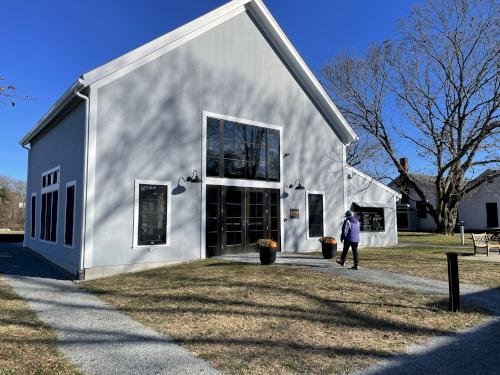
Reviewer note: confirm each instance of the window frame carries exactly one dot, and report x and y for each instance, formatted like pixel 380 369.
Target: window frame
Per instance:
pixel 33 231
pixel 322 193
pixel 234 181
pixel 69 184
pixel 137 183
pixel 50 189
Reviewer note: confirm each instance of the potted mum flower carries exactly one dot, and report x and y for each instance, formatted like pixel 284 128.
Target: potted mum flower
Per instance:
pixel 267 250
pixel 328 247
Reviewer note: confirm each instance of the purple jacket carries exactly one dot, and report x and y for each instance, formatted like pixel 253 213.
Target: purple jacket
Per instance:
pixel 350 230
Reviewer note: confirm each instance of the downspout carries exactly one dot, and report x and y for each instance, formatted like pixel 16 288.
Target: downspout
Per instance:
pixel 81 269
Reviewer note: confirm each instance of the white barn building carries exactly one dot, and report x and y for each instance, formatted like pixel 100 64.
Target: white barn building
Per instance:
pixel 194 145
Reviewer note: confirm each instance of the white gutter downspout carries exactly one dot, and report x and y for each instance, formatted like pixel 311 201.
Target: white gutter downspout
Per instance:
pixel 81 270
pixel 26 199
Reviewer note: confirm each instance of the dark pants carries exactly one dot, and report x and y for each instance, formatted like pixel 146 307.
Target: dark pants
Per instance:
pixel 354 247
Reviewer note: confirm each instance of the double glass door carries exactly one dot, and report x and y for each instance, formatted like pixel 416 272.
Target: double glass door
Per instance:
pixel 237 217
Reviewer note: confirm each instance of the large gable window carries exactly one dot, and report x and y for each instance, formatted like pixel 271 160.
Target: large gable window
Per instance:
pixel 151 213
pixel 242 151
pixel 49 210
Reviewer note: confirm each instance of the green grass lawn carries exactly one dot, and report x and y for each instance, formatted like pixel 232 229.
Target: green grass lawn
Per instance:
pixel 26 345
pixel 430 262
pixel 432 238
pixel 253 319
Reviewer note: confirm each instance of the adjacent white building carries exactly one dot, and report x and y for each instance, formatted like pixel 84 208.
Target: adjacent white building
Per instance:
pixel 480 209
pixel 194 145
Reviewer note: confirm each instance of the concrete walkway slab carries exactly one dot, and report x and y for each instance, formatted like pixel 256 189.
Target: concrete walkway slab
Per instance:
pixel 91 333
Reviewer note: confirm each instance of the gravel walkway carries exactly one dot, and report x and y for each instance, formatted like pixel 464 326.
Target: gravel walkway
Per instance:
pixel 475 351
pixel 92 334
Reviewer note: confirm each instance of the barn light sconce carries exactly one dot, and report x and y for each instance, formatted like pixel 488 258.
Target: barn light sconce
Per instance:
pixel 297 185
pixel 194 179
pixel 287 154
pixel 179 189
pixel 349 176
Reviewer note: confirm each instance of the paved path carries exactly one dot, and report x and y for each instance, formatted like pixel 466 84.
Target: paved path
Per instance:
pixel 475 351
pixel 92 334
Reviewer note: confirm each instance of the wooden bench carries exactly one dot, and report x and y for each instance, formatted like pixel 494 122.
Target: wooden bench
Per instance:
pixel 482 241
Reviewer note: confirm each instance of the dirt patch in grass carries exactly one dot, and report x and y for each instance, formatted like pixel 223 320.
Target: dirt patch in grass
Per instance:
pixel 433 239
pixel 26 345
pixel 431 263
pixel 251 319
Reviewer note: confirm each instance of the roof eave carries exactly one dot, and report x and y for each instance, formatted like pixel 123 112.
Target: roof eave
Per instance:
pixel 371 179
pixel 321 97
pixel 56 108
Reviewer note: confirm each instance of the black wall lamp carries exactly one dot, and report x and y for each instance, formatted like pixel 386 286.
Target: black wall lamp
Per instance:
pixel 194 179
pixel 297 185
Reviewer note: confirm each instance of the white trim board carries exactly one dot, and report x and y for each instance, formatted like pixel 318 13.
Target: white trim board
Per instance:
pixel 307 212
pixel 138 182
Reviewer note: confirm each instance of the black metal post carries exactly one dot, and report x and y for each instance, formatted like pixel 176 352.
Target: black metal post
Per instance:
pixel 453 282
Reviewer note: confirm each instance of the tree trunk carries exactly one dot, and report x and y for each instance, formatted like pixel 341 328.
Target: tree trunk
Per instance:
pixel 446 219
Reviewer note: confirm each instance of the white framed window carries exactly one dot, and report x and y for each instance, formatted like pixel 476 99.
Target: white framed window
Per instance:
pixel 152 209
pixel 315 214
pixel 33 216
pixel 49 211
pixel 69 214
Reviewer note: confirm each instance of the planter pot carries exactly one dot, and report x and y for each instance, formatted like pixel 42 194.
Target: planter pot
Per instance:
pixel 329 250
pixel 267 255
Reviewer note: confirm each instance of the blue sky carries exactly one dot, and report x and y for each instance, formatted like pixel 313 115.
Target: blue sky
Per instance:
pixel 47 45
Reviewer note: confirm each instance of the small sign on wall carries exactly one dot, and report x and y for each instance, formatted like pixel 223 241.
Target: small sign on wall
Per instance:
pixel 294 213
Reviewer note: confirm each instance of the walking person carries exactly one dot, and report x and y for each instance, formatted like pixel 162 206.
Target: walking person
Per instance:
pixel 350 238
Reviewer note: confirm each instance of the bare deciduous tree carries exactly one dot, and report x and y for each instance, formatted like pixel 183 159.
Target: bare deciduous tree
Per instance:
pixel 12 203
pixel 443 73
pixel 8 93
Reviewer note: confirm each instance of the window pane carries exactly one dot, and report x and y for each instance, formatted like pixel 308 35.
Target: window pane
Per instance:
pixel 213 167
pixel 43 216
pixel 49 179
pixel 256 171
pixel 69 216
pixel 152 226
pixel 315 208
pixel 213 138
pixel 53 222
pixel 33 215
pixel 44 181
pixel 235 168
pixel 273 138
pixel 48 217
pixel 273 163
pixel 55 178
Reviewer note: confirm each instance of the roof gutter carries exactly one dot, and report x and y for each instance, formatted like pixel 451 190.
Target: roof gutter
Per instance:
pixel 58 106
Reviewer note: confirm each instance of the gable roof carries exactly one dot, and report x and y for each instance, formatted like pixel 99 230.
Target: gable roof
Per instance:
pixel 374 181
pixel 200 25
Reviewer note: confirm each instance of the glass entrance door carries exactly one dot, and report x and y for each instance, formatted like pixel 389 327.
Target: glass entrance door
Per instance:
pixel 237 217
pixel 233 229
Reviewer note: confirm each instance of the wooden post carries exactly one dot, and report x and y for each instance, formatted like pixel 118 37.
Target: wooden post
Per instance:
pixel 453 282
